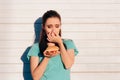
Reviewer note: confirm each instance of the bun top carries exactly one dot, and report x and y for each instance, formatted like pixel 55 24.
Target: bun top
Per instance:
pixel 52 47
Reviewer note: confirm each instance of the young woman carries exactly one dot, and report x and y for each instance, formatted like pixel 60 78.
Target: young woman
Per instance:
pixel 51 65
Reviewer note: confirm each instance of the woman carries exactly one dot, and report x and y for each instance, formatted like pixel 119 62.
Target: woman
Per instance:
pixel 47 65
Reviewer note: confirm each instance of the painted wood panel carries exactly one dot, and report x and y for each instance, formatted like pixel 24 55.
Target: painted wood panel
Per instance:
pixel 94 26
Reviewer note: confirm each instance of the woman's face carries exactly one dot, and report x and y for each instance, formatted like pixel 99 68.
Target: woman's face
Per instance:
pixel 52 24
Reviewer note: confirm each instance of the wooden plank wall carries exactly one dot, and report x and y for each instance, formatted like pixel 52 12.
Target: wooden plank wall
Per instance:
pixel 94 25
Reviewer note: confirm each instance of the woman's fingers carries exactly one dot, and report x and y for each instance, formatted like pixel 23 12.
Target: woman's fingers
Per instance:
pixel 51 37
pixel 55 34
pixel 47 54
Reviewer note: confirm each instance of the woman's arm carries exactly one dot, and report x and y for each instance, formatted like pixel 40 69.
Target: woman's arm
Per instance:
pixel 67 55
pixel 37 69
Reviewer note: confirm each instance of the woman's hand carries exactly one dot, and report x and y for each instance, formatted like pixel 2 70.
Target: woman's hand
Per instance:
pixel 54 37
pixel 50 54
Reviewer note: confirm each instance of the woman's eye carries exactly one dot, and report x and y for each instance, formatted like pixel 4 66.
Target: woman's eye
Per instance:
pixel 57 26
pixel 49 26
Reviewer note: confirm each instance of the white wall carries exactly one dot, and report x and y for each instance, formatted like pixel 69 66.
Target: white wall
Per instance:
pixel 94 25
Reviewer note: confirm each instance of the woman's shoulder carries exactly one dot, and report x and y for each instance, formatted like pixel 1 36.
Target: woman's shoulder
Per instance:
pixel 67 41
pixel 35 47
pixel 34 50
pixel 35 44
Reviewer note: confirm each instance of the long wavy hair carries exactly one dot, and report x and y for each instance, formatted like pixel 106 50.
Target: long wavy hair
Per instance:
pixel 43 36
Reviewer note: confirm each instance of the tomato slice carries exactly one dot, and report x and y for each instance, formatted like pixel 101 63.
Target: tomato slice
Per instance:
pixel 52 51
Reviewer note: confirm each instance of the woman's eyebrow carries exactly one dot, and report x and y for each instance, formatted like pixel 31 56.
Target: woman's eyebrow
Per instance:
pixel 57 24
pixel 49 25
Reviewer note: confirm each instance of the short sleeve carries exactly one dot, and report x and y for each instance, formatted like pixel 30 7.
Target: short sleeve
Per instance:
pixel 70 45
pixel 34 50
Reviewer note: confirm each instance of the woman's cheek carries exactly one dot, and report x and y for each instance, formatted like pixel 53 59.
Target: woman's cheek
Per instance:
pixel 48 32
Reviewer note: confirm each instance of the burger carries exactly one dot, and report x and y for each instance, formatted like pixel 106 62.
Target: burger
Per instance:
pixel 52 48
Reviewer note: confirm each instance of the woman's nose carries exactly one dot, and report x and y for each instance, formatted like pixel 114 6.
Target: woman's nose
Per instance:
pixel 53 29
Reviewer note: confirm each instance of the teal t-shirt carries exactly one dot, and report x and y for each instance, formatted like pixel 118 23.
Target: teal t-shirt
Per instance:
pixel 55 69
